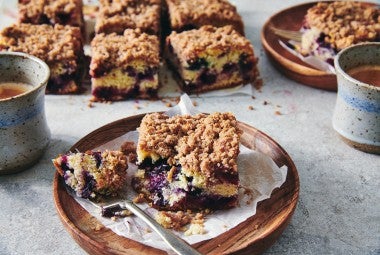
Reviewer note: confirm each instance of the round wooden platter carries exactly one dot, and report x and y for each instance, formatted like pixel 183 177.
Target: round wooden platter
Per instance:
pixel 290 65
pixel 252 236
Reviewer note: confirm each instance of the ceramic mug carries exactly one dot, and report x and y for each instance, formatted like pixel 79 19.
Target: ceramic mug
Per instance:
pixel 357 112
pixel 24 133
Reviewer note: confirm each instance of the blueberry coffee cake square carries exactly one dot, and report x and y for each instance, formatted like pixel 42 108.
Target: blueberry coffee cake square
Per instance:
pixel 210 58
pixel 190 14
pixel 188 162
pixel 64 12
pixel 117 15
pixel 93 174
pixel 332 26
pixel 59 46
pixel 124 66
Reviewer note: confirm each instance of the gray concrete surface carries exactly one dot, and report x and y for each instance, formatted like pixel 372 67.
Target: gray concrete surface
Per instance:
pixel 339 206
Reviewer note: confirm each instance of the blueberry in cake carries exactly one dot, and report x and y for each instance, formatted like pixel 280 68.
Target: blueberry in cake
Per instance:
pixel 93 174
pixel 188 162
pixel 117 15
pixel 332 26
pixel 124 66
pixel 210 58
pixel 59 46
pixel 190 14
pixel 64 12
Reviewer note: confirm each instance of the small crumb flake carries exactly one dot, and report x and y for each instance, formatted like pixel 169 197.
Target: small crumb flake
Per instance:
pixel 265 102
pixel 90 104
pixel 258 84
pixel 98 227
pixel 277 113
pixel 129 149
pixel 249 193
pixel 139 199
pixel 178 221
pixel 250 107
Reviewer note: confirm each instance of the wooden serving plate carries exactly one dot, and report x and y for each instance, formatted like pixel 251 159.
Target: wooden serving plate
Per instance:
pixel 290 65
pixel 252 236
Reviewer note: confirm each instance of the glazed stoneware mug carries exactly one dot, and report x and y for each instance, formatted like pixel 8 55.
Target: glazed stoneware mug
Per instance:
pixel 357 112
pixel 24 133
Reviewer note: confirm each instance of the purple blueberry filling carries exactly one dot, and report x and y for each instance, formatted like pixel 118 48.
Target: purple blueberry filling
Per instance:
pixel 112 93
pixel 230 68
pixel 207 77
pixel 63 18
pixel 193 197
pixel 245 66
pixel 147 74
pixel 197 64
pixel 58 84
pixel 98 158
pixel 89 185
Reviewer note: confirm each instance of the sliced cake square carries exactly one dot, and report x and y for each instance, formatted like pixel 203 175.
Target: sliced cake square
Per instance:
pixel 330 27
pixel 189 14
pixel 188 162
pixel 210 58
pixel 117 15
pixel 93 174
pixel 59 46
pixel 64 12
pixel 124 66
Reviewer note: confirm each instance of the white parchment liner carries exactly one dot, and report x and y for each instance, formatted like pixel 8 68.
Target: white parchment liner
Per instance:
pixel 311 60
pixel 257 172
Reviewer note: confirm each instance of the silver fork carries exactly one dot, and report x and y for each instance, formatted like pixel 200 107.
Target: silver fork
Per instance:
pixel 177 244
pixel 287 34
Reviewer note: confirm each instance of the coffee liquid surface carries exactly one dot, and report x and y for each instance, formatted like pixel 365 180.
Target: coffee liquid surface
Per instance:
pixel 11 89
pixel 369 74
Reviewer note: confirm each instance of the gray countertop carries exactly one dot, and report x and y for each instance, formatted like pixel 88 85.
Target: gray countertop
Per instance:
pixel 339 205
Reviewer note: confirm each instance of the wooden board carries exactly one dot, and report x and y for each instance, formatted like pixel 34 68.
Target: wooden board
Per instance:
pixel 290 65
pixel 252 236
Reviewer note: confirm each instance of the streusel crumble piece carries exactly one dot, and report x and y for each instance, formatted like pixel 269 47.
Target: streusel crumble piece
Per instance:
pixel 188 162
pixel 124 66
pixel 59 46
pixel 117 15
pixel 332 26
pixel 211 58
pixel 93 174
pixel 189 14
pixel 64 12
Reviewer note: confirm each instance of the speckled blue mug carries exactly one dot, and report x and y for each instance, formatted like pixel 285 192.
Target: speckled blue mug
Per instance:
pixel 357 112
pixel 24 133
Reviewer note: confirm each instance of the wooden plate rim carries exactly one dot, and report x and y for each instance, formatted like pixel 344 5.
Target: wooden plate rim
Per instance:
pixel 82 235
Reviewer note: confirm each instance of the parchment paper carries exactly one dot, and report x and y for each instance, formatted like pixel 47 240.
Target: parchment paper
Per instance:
pixel 311 60
pixel 257 172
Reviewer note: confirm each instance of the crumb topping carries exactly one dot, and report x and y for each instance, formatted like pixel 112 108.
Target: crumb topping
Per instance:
pixel 51 44
pixel 203 12
pixel 31 10
pixel 118 15
pixel 345 22
pixel 191 43
pixel 129 149
pixel 63 12
pixel 178 221
pixel 112 50
pixel 205 144
pixel 173 220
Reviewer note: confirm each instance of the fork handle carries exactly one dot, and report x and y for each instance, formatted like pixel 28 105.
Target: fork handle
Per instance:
pixel 176 243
